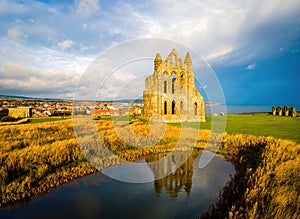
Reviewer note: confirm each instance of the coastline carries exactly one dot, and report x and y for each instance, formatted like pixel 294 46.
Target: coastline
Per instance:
pixel 242 109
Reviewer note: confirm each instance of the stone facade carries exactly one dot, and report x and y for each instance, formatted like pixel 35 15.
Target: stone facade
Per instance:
pixel 20 112
pixel 170 94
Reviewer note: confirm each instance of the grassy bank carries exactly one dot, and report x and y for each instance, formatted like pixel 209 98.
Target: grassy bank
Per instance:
pixel 257 124
pixel 47 119
pixel 21 121
pixel 37 157
pixel 266 183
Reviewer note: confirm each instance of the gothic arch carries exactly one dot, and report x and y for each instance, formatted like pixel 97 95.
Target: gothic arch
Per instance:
pixel 165 82
pixel 173 107
pixel 165 107
pixel 174 59
pixel 173 82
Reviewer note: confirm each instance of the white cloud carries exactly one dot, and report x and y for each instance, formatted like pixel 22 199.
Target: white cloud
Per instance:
pixel 29 79
pixel 221 52
pixel 84 26
pixel 225 33
pixel 18 71
pixel 43 72
pixel 208 28
pixel 66 44
pixel 14 34
pixel 216 31
pixel 7 7
pixel 251 66
pixel 87 7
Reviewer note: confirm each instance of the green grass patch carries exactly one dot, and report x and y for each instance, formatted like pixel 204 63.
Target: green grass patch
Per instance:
pixel 129 118
pixel 257 124
pixel 113 118
pixel 48 119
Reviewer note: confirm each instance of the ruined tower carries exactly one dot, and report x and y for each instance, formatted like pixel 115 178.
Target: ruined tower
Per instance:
pixel 170 93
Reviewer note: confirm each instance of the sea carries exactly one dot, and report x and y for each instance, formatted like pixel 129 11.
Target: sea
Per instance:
pixel 240 109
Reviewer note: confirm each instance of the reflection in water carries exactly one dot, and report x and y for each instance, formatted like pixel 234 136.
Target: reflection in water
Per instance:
pixel 178 170
pixel 184 193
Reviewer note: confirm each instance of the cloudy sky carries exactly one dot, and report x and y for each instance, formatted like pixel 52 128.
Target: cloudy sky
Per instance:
pixel 252 46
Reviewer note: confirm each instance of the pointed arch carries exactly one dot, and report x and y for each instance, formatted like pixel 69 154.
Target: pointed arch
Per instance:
pixel 174 58
pixel 165 108
pixel 173 107
pixel 165 82
pixel 173 82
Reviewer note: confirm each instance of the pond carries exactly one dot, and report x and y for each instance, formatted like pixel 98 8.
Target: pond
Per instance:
pixel 184 193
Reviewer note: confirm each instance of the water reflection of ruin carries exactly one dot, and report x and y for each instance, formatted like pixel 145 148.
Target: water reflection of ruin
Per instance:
pixel 173 172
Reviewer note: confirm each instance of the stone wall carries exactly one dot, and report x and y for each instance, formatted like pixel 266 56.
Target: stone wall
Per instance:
pixel 20 112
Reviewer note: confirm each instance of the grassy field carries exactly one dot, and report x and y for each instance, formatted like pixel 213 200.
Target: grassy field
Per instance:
pixel 36 157
pixel 266 182
pixel 48 119
pixel 257 124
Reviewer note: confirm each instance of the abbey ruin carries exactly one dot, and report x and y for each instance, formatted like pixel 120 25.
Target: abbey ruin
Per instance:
pixel 170 94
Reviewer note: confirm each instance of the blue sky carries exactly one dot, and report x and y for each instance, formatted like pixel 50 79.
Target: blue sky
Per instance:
pixel 252 46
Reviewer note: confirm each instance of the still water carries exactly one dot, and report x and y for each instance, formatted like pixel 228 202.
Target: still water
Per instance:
pixel 236 109
pixel 185 193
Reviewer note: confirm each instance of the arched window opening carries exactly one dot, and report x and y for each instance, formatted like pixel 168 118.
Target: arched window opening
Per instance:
pixel 173 159
pixel 165 82
pixel 196 109
pixel 165 107
pixel 174 61
pixel 181 82
pixel 173 82
pixel 173 107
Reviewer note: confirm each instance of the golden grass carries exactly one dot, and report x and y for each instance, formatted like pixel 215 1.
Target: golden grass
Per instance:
pixel 21 121
pixel 266 184
pixel 37 157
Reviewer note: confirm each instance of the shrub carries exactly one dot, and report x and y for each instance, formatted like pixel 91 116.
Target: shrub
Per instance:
pixel 8 119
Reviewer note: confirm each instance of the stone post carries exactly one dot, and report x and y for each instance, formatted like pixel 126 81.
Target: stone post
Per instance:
pixel 293 112
pixel 279 111
pixel 273 110
pixel 286 110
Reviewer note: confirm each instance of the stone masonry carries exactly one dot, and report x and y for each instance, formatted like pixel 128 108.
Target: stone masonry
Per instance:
pixel 170 94
pixel 20 112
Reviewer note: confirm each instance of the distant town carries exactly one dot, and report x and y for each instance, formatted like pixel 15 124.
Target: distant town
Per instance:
pixel 23 107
